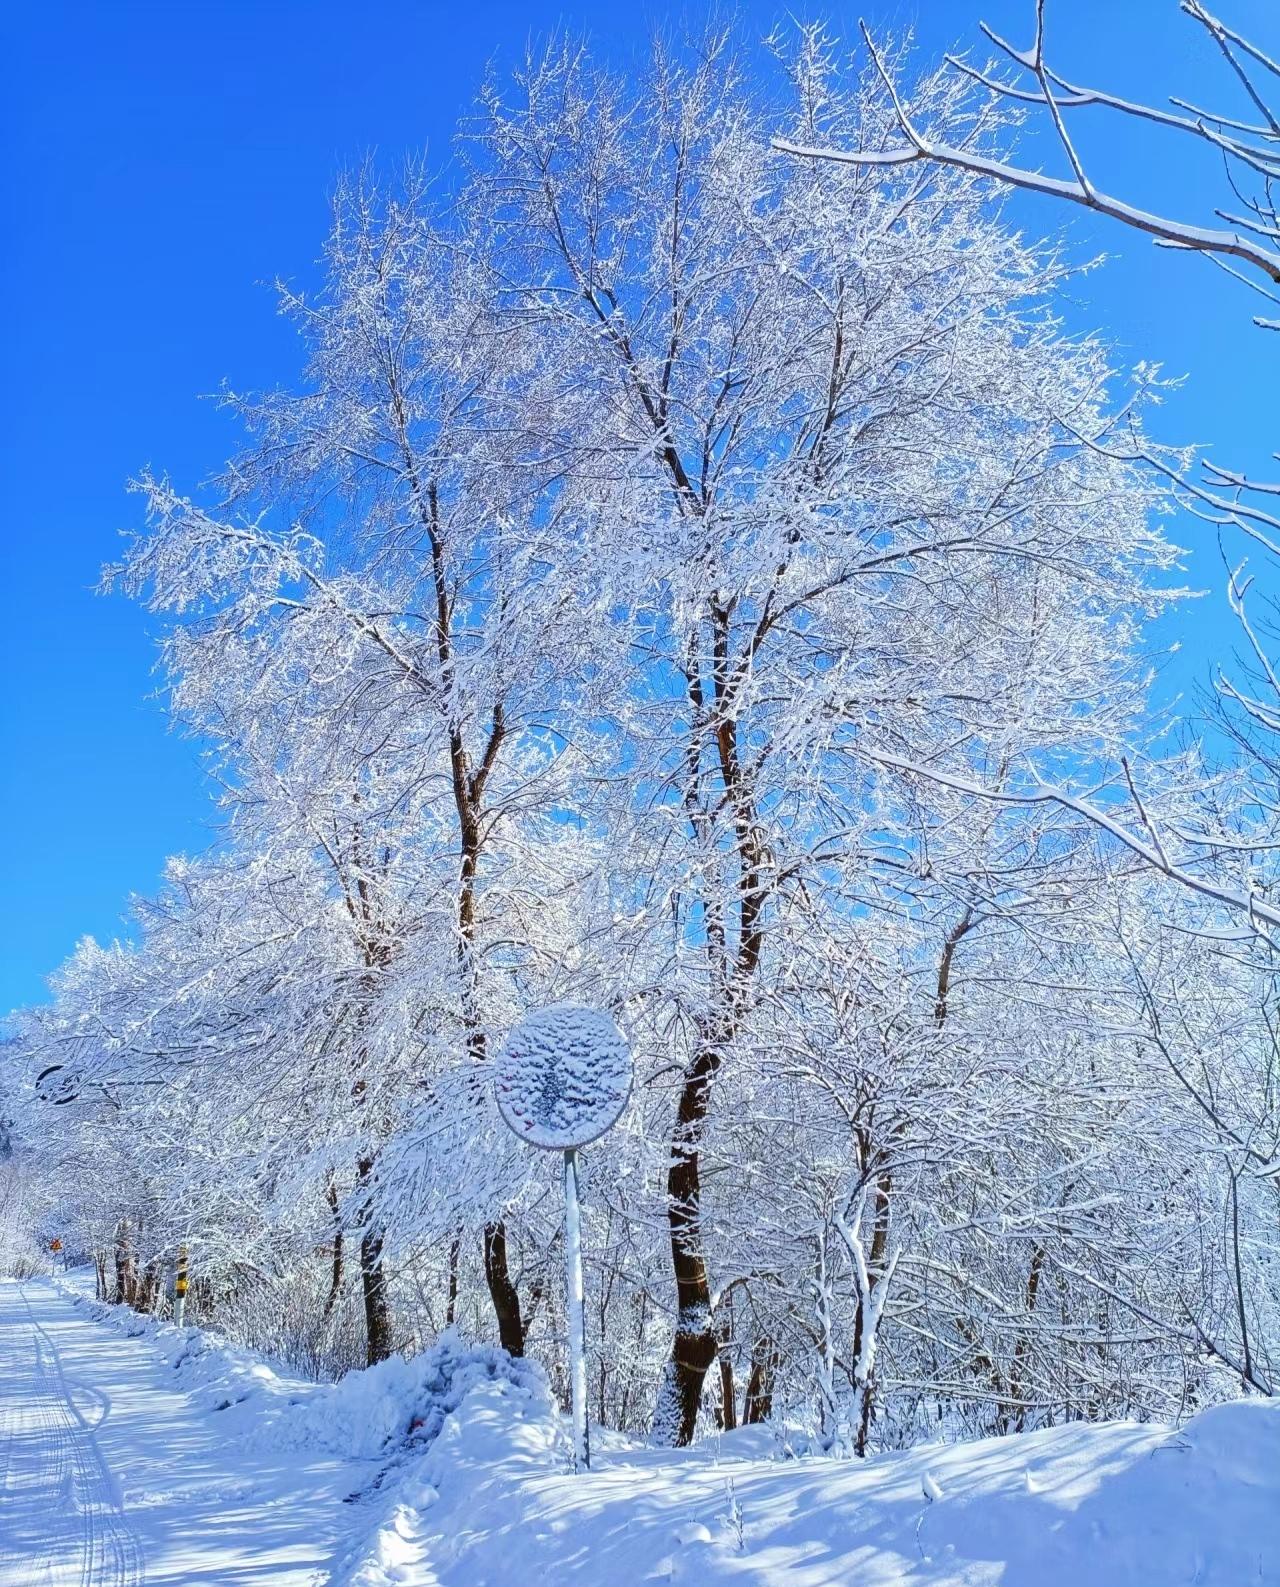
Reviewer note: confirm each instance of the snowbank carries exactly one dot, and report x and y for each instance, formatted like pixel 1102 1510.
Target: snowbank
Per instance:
pixel 500 1442
pixel 218 1375
pixel 462 1464
pixel 1117 1505
pixel 395 1408
pixel 402 1406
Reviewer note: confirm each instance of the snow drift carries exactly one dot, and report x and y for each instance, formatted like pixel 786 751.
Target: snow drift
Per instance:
pixel 1116 1505
pixel 391 1410
pixel 462 1462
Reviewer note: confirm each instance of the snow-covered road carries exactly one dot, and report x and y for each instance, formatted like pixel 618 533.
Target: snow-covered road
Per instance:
pixel 109 1477
pixel 61 1515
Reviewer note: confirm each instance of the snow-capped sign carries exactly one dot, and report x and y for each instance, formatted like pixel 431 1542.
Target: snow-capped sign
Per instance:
pixel 563 1077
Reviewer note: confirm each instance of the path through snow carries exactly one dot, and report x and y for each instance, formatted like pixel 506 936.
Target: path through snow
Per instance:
pixel 61 1518
pixel 110 1477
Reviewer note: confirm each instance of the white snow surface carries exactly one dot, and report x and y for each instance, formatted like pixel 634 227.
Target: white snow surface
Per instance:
pixel 563 1076
pixel 453 1471
pixel 116 1471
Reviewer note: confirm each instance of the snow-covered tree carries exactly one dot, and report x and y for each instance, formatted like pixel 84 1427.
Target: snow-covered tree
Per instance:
pixel 1242 237
pixel 665 540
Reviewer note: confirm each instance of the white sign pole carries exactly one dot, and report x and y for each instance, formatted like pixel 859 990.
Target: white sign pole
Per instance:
pixel 575 1308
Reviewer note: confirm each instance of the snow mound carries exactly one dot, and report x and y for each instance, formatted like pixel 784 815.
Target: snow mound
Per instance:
pixel 1114 1505
pixel 403 1405
pixel 500 1437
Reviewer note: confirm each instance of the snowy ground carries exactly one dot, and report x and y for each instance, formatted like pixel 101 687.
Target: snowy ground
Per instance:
pixel 131 1453
pixel 110 1476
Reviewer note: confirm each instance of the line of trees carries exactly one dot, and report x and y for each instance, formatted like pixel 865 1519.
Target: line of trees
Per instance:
pixel 665 538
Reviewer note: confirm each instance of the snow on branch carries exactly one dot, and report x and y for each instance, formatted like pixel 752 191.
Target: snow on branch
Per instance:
pixel 1079 188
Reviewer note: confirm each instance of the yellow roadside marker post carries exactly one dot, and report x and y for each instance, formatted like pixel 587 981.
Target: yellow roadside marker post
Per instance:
pixel 180 1288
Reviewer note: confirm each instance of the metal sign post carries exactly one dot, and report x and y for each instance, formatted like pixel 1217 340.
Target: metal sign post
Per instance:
pixel 562 1080
pixel 575 1307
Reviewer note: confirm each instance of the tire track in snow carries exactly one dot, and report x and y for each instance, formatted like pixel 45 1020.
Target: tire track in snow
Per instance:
pixel 112 1556
pixel 70 1503
pixel 39 1529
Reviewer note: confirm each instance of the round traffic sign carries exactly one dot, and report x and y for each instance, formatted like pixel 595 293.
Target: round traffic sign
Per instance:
pixel 563 1076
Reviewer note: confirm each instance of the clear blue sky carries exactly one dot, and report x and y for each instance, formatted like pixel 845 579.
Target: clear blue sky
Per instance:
pixel 166 159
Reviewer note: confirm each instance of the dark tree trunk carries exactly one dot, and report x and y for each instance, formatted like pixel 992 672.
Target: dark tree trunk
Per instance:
pixel 335 1273
pixel 758 1405
pixel 451 1303
pixel 506 1302
pixel 693 1347
pixel 727 1410
pixel 126 1267
pixel 864 1418
pixel 468 777
pixel 1017 1410
pixel 147 1292
pixel 377 1309
pixel 373 1277
pixel 728 1415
